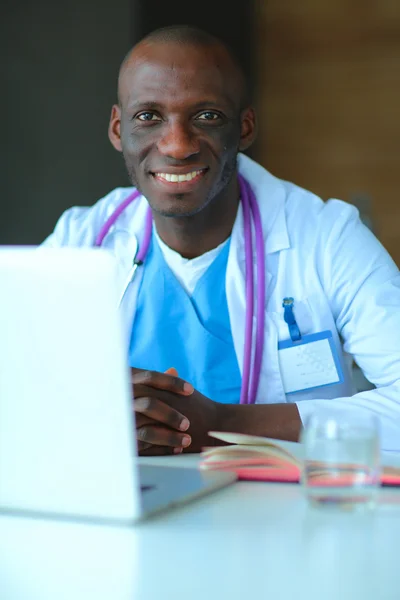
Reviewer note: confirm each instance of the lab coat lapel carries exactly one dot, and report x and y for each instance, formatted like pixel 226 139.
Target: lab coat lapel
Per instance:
pixel 236 298
pixel 123 240
pixel 236 286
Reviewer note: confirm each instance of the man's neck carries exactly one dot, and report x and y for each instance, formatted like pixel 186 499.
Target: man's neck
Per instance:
pixel 195 235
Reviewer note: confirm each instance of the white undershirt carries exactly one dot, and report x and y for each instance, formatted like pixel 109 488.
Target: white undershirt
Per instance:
pixel 188 270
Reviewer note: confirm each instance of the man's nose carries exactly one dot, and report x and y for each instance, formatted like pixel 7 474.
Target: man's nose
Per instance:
pixel 178 142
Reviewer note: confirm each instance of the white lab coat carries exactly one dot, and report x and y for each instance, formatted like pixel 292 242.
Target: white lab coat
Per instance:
pixel 319 253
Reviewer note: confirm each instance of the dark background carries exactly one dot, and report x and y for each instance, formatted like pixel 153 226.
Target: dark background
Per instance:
pixel 58 78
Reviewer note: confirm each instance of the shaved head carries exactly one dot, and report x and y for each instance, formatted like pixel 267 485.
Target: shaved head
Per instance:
pixel 185 35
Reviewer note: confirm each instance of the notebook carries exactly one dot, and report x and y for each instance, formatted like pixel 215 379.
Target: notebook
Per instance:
pixel 264 459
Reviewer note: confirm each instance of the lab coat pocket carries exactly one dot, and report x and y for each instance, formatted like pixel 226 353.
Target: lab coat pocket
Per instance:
pixel 312 317
pixel 277 331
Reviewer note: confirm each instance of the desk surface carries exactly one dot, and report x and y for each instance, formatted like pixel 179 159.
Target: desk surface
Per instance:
pixel 247 541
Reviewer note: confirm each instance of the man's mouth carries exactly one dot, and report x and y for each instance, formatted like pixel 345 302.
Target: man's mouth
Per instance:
pixel 179 177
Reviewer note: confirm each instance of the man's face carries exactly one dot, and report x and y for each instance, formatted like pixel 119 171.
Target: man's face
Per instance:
pixel 179 126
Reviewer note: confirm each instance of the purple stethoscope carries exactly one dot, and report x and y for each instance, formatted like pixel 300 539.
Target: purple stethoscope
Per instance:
pixel 251 211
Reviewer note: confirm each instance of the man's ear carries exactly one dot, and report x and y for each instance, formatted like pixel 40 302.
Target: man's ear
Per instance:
pixel 248 128
pixel 114 128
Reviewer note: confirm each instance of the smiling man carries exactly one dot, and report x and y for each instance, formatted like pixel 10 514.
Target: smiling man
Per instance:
pixel 248 287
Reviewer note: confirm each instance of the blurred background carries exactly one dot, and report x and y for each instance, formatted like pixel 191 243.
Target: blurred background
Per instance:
pixel 325 76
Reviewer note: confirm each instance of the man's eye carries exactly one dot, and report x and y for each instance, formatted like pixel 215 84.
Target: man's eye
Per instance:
pixel 208 116
pixel 147 116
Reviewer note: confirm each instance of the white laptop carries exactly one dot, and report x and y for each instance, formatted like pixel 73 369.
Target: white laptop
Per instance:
pixel 67 442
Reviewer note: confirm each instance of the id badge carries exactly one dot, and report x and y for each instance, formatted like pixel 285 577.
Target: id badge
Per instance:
pixel 310 362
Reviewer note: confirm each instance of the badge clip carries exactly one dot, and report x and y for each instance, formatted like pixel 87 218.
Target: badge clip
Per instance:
pixel 290 319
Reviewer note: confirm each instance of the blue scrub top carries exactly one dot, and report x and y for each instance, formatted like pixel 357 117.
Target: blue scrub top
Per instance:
pixel 191 333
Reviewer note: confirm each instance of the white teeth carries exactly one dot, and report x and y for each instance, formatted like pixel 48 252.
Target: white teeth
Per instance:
pixel 178 178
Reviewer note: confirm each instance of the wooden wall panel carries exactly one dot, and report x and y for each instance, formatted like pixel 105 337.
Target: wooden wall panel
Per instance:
pixel 329 101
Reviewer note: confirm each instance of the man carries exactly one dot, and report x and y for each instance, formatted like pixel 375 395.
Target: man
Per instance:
pixel 182 119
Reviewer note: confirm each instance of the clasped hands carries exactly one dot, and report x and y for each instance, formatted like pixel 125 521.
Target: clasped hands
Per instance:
pixel 171 416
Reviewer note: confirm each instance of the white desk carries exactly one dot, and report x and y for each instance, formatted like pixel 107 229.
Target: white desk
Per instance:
pixel 248 541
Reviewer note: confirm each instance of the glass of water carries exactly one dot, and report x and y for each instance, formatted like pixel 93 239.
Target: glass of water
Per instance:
pixel 341 459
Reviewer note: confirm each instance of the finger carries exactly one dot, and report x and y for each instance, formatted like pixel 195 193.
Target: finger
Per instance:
pixel 141 420
pixel 159 411
pixel 141 446
pixel 162 436
pixel 162 381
